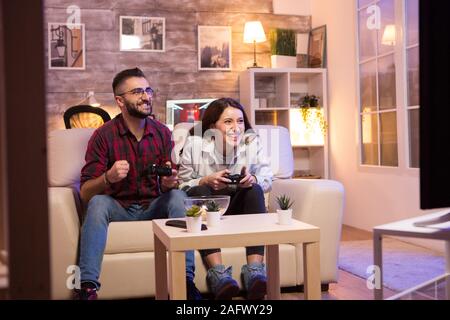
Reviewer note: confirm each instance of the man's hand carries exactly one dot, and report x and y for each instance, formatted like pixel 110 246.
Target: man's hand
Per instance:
pixel 118 171
pixel 218 180
pixel 171 182
pixel 90 188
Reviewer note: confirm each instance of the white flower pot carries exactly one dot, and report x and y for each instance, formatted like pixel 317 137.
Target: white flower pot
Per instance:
pixel 213 218
pixel 278 61
pixel 284 216
pixel 194 224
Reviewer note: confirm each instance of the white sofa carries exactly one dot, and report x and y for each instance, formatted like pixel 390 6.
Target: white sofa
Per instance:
pixel 128 265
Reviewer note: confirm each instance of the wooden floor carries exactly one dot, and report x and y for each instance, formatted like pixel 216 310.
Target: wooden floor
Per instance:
pixel 349 286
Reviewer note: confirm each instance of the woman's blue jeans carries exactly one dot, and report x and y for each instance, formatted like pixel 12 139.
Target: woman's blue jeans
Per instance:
pixel 103 209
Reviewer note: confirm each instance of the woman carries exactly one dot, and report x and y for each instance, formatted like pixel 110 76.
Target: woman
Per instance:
pixel 222 145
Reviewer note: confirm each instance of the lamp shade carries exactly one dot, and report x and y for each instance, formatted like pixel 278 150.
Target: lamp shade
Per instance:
pixel 254 32
pixel 60 48
pixel 389 35
pixel 89 100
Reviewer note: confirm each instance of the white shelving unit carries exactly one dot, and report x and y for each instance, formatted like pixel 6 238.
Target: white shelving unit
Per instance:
pixel 271 96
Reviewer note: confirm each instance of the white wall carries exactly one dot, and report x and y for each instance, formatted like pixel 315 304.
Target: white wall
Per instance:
pixel 292 7
pixel 373 195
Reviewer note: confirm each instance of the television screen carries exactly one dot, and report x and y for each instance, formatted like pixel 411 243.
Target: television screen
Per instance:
pixel 185 111
pixel 434 104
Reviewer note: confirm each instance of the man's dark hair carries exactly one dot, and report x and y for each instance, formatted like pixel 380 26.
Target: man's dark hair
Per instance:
pixel 124 75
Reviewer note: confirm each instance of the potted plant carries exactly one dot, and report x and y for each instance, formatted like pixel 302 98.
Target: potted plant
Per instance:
pixel 312 112
pixel 212 213
pixel 194 219
pixel 283 48
pixel 307 102
pixel 285 211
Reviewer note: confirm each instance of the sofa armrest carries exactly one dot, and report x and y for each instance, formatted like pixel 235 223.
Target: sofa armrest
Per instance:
pixel 318 202
pixel 64 235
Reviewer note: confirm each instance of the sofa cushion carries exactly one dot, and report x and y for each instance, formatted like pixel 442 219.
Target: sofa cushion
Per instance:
pixel 66 150
pixel 277 143
pixel 129 236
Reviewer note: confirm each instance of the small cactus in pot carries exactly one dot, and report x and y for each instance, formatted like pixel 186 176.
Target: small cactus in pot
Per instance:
pixel 285 211
pixel 284 202
pixel 212 206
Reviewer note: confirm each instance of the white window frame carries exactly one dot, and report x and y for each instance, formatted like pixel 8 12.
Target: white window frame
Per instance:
pixel 401 67
pixel 407 107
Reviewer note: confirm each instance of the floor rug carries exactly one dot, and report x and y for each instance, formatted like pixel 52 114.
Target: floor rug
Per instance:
pixel 404 265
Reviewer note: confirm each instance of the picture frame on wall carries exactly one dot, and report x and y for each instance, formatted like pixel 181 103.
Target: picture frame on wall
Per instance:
pixel 142 34
pixel 66 46
pixel 214 48
pixel 317 47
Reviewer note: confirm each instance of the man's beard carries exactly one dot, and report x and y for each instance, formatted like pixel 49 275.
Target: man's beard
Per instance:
pixel 134 112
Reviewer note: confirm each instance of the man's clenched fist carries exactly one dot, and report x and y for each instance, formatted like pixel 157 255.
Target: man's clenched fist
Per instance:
pixel 118 171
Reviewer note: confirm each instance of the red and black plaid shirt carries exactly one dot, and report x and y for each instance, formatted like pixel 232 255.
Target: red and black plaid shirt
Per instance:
pixel 114 141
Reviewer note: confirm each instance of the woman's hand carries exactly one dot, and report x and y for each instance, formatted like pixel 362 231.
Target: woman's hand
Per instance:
pixel 217 181
pixel 248 179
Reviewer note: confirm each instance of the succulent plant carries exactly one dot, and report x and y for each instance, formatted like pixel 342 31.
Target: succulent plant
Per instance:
pixel 212 206
pixel 194 211
pixel 284 202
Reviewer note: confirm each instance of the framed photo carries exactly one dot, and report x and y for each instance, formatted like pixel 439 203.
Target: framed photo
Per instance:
pixel 317 47
pixel 146 34
pixel 66 46
pixel 214 48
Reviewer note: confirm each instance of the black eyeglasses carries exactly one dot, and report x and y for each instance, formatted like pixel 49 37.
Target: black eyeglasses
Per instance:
pixel 138 92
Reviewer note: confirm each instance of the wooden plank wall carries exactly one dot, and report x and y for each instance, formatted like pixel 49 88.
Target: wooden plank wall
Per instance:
pixel 173 73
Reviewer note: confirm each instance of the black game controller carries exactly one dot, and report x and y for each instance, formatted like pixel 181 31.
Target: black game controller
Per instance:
pixel 160 170
pixel 235 178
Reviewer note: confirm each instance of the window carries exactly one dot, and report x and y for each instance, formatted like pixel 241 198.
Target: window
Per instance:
pixel 382 84
pixel 412 58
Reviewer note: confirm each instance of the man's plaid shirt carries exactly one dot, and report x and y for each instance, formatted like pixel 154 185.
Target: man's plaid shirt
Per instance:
pixel 114 141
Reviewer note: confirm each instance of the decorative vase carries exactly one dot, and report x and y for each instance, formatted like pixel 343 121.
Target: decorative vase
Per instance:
pixel 194 224
pixel 284 216
pixel 279 61
pixel 213 218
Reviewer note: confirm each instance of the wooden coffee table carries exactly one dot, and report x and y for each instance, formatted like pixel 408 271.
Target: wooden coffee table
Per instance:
pixel 235 231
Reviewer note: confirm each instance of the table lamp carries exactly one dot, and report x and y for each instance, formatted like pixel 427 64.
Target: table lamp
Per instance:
pixel 253 33
pixel 89 100
pixel 389 35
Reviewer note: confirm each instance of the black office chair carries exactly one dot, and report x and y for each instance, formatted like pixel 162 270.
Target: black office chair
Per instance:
pixel 85 116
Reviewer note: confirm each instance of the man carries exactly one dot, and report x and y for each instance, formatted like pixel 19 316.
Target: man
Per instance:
pixel 116 181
